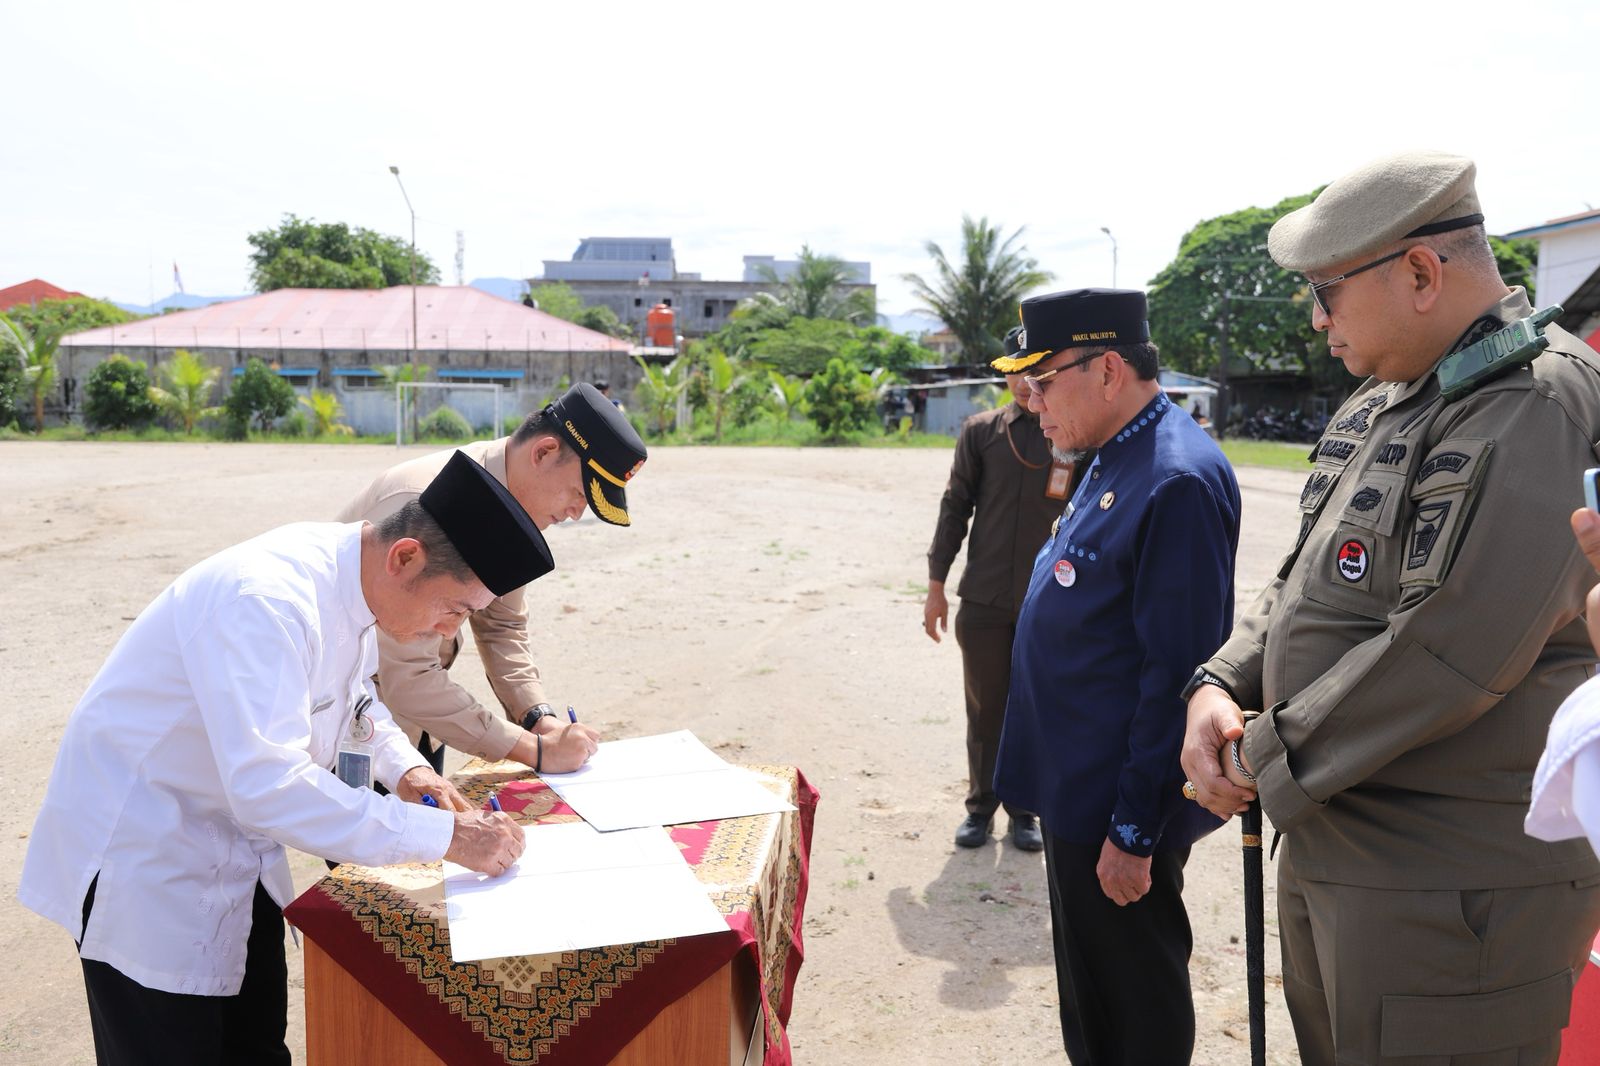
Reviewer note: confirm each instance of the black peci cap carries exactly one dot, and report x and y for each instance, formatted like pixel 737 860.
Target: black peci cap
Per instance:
pixel 487 525
pixel 606 443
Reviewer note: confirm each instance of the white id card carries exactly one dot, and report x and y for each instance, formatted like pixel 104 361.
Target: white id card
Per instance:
pixel 354 765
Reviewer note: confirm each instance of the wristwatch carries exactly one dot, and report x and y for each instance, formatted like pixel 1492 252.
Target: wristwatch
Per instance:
pixel 1202 676
pixel 536 712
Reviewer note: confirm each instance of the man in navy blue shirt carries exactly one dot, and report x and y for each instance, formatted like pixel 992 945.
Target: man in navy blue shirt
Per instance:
pixel 1133 589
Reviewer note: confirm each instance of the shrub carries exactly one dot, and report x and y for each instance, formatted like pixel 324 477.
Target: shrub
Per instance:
pixel 117 395
pixel 446 423
pixel 257 394
pixel 841 399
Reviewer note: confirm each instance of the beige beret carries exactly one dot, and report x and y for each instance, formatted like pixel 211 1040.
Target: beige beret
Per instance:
pixel 1412 194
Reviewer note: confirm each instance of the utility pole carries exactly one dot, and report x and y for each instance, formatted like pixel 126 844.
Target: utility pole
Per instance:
pixel 1107 231
pixel 396 172
pixel 1220 415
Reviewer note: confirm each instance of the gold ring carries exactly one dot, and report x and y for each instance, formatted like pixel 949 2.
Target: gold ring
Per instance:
pixel 1189 791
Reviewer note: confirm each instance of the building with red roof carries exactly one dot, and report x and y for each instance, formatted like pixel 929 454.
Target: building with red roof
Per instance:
pixel 31 292
pixel 338 338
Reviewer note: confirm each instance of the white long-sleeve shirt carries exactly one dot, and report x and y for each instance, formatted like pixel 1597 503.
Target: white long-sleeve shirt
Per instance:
pixel 206 744
pixel 1566 785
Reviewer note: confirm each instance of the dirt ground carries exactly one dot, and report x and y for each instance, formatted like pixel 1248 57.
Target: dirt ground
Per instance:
pixel 770 600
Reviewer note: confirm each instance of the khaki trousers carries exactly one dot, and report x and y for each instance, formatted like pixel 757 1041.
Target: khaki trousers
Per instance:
pixel 1432 978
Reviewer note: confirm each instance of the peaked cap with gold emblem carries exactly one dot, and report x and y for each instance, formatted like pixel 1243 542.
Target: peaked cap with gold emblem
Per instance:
pixel 1077 318
pixel 607 445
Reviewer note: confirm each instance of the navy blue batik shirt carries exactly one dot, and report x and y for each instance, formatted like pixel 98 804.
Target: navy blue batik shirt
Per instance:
pixel 1129 595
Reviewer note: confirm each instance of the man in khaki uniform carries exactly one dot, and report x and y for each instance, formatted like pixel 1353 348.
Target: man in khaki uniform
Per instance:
pixel 1005 481
pixel 1414 646
pixel 578 452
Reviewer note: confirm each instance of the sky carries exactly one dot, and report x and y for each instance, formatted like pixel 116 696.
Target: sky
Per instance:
pixel 143 135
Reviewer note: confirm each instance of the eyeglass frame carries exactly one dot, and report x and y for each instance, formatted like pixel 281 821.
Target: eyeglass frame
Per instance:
pixel 1317 287
pixel 1036 382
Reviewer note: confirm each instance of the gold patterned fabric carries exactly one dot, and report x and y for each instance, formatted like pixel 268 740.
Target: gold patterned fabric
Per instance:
pixel 386 926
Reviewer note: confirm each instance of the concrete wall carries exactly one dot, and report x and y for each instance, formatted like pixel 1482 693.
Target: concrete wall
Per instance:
pixel 703 306
pixel 371 410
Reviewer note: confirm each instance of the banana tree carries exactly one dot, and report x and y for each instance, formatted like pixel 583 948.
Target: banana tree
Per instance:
pixel 660 389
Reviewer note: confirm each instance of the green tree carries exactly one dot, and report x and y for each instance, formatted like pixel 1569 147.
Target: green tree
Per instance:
pixel 977 299
pixel 876 347
pixel 819 287
pixel 1224 288
pixel 841 399
pixel 305 254
pixel 602 319
pixel 660 388
pixel 327 414
pixel 36 355
pixel 72 315
pixel 186 386
pixel 557 298
pixel 1518 261
pixel 258 394
pixel 117 395
pixel 801 347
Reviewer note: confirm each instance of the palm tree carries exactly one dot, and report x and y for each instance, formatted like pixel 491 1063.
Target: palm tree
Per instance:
pixel 36 355
pixel 326 412
pixel 978 300
pixel 817 289
pixel 188 384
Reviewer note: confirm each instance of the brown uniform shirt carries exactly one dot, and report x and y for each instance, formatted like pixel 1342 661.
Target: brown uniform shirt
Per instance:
pixel 1004 496
pixel 413 678
pixel 1417 641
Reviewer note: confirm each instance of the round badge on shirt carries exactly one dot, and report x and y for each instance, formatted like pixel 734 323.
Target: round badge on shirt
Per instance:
pixel 1066 574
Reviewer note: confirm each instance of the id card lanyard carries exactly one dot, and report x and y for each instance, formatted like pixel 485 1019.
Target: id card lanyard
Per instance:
pixel 1060 479
pixel 354 762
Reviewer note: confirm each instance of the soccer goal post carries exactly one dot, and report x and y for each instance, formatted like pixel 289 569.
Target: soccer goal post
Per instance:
pixel 496 430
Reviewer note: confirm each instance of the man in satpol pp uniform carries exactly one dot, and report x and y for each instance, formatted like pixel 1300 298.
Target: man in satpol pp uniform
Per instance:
pixel 232 720
pixel 1006 482
pixel 1416 642
pixel 1134 586
pixel 577 452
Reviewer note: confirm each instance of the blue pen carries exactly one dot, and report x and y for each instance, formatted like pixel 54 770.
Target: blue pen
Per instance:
pixel 494 801
pixel 572 715
pixel 429 801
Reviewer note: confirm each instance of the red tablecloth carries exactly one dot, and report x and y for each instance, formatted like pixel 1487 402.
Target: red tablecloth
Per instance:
pixel 1580 1044
pixel 386 926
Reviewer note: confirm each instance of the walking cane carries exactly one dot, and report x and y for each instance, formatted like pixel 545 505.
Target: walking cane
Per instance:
pixel 1254 928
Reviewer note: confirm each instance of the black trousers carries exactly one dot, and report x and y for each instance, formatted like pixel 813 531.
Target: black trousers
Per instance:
pixel 139 1026
pixel 985 634
pixel 1122 972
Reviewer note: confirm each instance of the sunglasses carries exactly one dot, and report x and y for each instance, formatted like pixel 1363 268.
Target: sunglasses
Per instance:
pixel 1319 288
pixel 1035 383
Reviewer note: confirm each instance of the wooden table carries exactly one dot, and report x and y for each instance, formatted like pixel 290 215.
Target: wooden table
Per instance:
pixel 381 987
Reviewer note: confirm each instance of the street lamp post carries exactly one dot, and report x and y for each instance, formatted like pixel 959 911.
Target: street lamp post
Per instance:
pixel 396 172
pixel 1107 231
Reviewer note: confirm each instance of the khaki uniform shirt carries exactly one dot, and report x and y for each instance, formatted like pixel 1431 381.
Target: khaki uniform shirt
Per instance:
pixel 1013 514
pixel 413 678
pixel 1417 641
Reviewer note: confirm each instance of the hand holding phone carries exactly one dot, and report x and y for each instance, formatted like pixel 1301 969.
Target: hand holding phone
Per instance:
pixel 1591 488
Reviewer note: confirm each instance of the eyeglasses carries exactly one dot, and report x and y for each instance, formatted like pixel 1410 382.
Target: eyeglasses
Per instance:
pixel 1319 287
pixel 1035 383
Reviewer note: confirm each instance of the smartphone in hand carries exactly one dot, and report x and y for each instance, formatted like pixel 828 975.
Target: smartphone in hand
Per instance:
pixel 1591 488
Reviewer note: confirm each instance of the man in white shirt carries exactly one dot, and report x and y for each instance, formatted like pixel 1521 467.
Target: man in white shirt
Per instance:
pixel 207 743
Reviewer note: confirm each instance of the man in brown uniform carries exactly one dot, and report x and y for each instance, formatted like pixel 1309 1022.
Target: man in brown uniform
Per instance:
pixel 1415 644
pixel 1003 479
pixel 578 452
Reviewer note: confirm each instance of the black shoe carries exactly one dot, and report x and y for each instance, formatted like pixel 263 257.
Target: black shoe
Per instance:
pixel 974 832
pixel 1025 833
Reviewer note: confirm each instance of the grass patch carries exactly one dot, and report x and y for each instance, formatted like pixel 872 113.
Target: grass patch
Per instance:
pixel 1271 453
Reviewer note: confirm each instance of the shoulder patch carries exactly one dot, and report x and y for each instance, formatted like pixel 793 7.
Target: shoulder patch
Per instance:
pixel 1452 465
pixel 1392 454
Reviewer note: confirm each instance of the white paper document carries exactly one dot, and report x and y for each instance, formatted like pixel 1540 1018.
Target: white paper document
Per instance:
pixel 575 888
pixel 661 780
